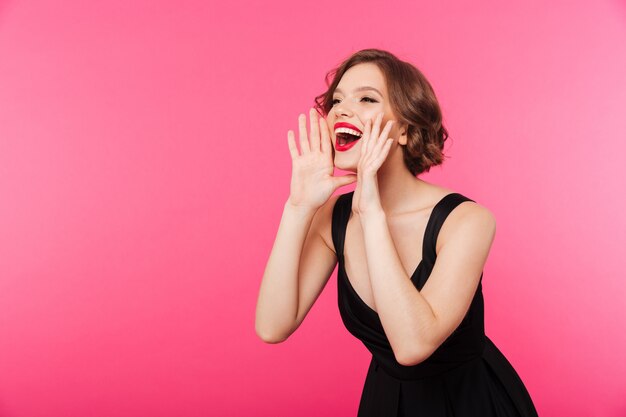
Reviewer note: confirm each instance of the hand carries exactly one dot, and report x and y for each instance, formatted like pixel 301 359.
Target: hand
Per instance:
pixel 312 180
pixel 374 150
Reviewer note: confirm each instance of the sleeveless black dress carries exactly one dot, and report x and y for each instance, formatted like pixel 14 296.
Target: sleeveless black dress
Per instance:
pixel 466 376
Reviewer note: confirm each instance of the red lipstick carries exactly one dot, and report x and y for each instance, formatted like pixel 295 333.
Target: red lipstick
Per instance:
pixel 343 148
pixel 348 125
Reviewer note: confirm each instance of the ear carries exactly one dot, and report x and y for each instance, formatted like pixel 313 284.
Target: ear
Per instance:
pixel 404 128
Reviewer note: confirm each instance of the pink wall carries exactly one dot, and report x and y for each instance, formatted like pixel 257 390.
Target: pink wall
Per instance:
pixel 144 165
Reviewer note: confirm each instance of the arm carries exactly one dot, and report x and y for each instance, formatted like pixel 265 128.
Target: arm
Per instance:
pixel 418 322
pixel 298 268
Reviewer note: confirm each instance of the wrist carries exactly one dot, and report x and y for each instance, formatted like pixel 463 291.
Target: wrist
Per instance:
pixel 298 208
pixel 373 214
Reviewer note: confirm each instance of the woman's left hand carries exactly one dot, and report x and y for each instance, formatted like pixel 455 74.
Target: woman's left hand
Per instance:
pixel 374 150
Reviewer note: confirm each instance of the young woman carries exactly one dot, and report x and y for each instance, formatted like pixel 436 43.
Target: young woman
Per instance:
pixel 410 253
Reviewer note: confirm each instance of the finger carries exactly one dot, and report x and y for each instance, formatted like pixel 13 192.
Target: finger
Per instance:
pixel 386 148
pixel 373 139
pixel 383 154
pixel 304 141
pixel 376 127
pixel 315 130
pixel 383 136
pixel 344 180
pixel 366 134
pixel 326 141
pixel 291 141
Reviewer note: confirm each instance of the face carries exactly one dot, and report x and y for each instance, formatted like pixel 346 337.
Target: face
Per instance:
pixel 360 95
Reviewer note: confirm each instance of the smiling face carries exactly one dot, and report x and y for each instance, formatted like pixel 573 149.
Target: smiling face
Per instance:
pixel 360 95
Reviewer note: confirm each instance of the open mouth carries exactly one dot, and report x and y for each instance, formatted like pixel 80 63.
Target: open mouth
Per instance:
pixel 345 136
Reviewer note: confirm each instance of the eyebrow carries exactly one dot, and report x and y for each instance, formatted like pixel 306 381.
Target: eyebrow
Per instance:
pixel 338 90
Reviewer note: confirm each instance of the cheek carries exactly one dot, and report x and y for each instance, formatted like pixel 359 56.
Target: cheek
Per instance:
pixel 330 122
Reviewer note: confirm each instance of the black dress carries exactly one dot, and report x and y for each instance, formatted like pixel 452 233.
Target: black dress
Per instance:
pixel 466 376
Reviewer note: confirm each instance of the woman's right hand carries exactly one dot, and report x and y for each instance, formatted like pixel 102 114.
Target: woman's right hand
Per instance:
pixel 312 180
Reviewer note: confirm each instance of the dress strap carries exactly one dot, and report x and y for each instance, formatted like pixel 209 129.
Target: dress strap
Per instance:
pixel 439 214
pixel 343 208
pixel 341 215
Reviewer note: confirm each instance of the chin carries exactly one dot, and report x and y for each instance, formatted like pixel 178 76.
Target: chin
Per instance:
pixel 345 164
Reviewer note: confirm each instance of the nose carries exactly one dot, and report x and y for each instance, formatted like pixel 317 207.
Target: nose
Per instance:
pixel 342 109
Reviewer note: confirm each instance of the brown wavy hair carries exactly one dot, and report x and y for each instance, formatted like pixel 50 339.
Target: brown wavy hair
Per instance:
pixel 412 99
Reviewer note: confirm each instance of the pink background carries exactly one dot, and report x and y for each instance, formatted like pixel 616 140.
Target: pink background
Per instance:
pixel 144 166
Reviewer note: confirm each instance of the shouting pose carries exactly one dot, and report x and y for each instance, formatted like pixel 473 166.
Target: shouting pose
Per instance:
pixel 410 253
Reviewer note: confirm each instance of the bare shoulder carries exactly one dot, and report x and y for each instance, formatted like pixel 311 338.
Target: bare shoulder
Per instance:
pixel 322 222
pixel 468 218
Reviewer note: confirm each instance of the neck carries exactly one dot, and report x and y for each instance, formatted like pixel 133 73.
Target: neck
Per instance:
pixel 399 189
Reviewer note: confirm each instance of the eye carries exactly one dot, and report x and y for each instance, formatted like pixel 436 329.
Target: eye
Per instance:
pixel 371 100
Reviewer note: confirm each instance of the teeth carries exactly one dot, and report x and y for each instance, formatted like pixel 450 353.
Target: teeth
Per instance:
pixel 348 130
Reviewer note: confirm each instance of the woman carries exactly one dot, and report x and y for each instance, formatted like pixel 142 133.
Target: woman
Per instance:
pixel 410 253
